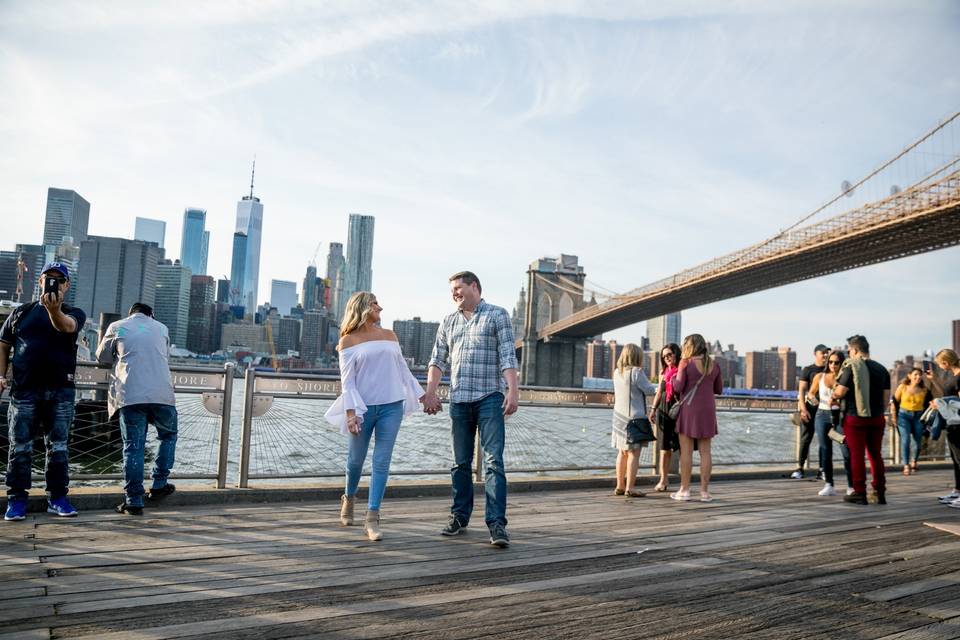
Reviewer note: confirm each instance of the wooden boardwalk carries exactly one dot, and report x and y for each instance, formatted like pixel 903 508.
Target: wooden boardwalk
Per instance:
pixel 767 559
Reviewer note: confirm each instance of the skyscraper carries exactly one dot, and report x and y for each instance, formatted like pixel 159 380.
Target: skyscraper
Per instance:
pixel 150 230
pixel 358 271
pixel 663 330
pixel 308 294
pixel 283 296
pixel 223 291
pixel 956 335
pixel 172 303
pixel 195 241
pixel 313 335
pixel 238 268
pixel 249 222
pixel 114 273
pixel 200 320
pixel 416 338
pixel 68 215
pixel 335 266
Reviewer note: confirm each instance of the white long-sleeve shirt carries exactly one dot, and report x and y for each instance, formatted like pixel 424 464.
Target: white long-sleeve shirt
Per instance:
pixel 373 373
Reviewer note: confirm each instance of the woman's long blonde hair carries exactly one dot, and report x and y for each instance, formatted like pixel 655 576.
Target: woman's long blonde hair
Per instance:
pixel 356 312
pixel 630 357
pixel 695 346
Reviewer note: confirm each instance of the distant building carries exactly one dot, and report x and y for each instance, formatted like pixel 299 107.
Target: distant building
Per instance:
pixel 775 368
pixel 195 243
pixel 223 291
pixel 67 216
pixel 200 321
pixel 956 336
pixel 358 272
pixel 518 319
pixel 602 358
pixel 238 270
pixel 283 295
pixel 314 335
pixel 308 292
pixel 249 223
pixel 114 273
pixel 335 267
pixel 172 303
pixel 245 337
pixel 150 230
pixel 663 330
pixel 286 334
pixel 416 338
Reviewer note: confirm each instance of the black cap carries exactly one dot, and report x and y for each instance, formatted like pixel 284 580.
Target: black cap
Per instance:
pixel 821 348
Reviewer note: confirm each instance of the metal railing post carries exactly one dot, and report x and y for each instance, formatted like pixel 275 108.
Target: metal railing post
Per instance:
pixel 223 455
pixel 249 383
pixel 477 458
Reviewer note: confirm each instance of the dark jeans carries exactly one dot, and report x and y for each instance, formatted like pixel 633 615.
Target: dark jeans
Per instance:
pixel 823 423
pixel 806 437
pixel 486 415
pixel 134 419
pixel 53 409
pixel 953 442
pixel 865 434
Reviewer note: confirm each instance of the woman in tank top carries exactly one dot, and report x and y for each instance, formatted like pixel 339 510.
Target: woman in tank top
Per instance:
pixel 908 403
pixel 827 418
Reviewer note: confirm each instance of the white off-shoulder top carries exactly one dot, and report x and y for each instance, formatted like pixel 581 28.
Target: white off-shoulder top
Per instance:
pixel 372 373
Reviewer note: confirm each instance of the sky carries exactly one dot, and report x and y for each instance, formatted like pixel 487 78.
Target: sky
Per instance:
pixel 643 137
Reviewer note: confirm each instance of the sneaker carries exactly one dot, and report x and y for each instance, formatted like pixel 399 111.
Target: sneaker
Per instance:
pixel 849 491
pixel 827 490
pixel 820 474
pixel 953 505
pixel 950 497
pixel 61 507
pixel 797 475
pixel 455 526
pixel 856 498
pixel 123 507
pixel 16 509
pixel 499 537
pixel 162 492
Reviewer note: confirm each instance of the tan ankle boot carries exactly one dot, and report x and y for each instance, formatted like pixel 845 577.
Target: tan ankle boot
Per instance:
pixel 346 511
pixel 372 525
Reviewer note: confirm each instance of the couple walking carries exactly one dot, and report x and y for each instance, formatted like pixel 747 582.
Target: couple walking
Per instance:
pixel 475 344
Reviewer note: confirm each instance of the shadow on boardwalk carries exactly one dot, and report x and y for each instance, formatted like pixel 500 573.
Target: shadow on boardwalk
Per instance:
pixel 768 559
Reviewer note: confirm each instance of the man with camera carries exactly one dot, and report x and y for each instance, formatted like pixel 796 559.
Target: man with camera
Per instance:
pixel 43 337
pixel 138 347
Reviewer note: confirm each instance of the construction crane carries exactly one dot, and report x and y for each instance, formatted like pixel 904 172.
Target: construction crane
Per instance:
pixel 316 252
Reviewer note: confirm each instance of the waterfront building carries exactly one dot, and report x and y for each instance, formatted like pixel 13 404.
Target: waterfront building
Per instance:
pixel 314 335
pixel 67 216
pixel 200 319
pixel 220 315
pixel 249 223
pixel 335 267
pixel 114 273
pixel 775 368
pixel 238 268
pixel 602 358
pixel 172 301
pixel 283 296
pixel 285 333
pixel 416 338
pixel 195 243
pixel 663 330
pixel 150 230
pixel 245 336
pixel 223 291
pixel 358 271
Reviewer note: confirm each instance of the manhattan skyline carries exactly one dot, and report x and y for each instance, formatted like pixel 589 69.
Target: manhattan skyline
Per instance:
pixel 643 139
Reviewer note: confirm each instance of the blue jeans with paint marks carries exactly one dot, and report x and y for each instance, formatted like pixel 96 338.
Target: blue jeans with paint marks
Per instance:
pixel 53 410
pixel 134 419
pixel 382 423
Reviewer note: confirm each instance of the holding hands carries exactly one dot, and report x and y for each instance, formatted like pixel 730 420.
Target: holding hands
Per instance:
pixel 431 403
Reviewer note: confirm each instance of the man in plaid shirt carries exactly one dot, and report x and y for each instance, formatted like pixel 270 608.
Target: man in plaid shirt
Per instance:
pixel 476 343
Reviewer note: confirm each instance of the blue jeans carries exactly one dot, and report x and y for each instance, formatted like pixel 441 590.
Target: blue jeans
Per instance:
pixel 134 419
pixel 486 415
pixel 383 422
pixel 909 425
pixel 823 422
pixel 52 408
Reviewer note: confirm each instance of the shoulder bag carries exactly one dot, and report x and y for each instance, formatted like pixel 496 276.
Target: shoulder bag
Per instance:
pixel 674 411
pixel 639 430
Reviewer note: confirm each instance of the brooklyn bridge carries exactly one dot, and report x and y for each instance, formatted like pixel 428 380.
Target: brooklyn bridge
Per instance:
pixel 908 205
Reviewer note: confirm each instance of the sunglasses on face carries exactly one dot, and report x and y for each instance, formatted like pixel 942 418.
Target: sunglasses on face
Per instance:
pixel 667 356
pixel 834 362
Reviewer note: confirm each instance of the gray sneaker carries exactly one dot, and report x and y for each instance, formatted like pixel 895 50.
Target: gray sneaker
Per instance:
pixel 455 526
pixel 499 537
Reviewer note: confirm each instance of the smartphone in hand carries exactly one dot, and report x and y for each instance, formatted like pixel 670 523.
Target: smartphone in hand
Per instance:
pixel 50 285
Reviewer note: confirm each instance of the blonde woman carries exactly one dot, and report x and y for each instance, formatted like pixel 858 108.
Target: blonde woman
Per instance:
pixel 630 390
pixel 696 383
pixel 377 391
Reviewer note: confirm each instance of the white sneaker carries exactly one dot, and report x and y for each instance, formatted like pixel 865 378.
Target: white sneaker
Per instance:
pixel 849 491
pixel 797 475
pixel 950 497
pixel 955 504
pixel 827 490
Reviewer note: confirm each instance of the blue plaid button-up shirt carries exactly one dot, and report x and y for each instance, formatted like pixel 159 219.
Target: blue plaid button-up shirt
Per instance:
pixel 477 350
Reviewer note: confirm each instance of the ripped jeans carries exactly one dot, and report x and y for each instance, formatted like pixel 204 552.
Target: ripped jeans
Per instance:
pixel 53 409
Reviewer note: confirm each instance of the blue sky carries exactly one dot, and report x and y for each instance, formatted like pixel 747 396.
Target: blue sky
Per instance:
pixel 644 137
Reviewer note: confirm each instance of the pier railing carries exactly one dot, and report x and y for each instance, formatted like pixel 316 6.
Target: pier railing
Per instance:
pixel 283 435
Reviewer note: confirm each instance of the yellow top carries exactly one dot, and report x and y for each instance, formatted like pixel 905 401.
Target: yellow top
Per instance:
pixel 911 401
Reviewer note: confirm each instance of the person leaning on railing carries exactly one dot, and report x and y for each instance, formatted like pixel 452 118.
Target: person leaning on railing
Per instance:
pixel 947 385
pixel 43 336
pixel 377 391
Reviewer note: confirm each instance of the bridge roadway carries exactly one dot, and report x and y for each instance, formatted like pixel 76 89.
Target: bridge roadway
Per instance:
pixel 767 559
pixel 908 223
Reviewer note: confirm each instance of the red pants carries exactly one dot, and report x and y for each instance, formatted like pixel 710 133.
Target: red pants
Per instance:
pixel 865 433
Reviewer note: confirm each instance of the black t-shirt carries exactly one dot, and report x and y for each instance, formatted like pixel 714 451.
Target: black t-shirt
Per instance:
pixel 951 382
pixel 879 382
pixel 808 373
pixel 43 358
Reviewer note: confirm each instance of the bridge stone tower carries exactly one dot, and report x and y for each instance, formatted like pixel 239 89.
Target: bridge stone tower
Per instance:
pixel 554 291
